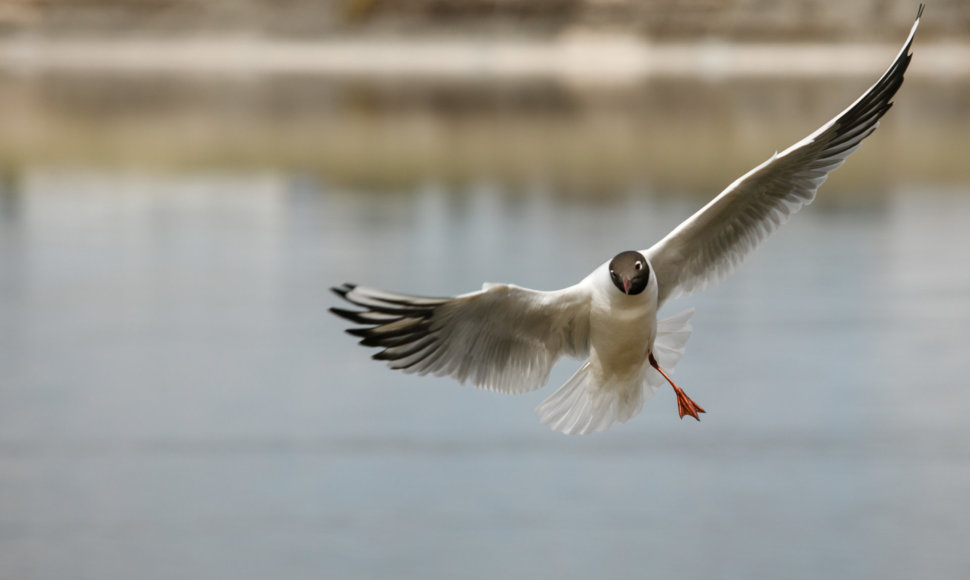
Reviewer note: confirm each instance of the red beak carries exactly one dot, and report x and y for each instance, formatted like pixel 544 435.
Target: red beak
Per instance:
pixel 626 286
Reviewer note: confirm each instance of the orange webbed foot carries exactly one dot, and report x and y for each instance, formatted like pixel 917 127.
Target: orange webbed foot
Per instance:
pixel 685 405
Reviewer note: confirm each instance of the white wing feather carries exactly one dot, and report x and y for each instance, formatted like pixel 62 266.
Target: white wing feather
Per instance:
pixel 710 244
pixel 503 338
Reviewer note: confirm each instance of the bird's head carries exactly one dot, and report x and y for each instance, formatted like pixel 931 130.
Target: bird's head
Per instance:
pixel 630 272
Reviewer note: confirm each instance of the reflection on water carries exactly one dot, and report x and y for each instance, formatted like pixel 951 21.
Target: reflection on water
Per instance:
pixel 176 402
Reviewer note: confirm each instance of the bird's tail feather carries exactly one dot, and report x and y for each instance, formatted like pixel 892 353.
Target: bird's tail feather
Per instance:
pixel 583 405
pixel 580 406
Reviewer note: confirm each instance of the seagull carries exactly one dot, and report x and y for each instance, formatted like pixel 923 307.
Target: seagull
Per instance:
pixel 506 338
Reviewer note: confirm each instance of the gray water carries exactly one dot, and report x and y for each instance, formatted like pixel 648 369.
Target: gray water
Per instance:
pixel 175 401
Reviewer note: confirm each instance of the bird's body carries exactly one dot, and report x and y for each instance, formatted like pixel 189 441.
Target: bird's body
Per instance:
pixel 617 321
pixel 506 338
pixel 622 329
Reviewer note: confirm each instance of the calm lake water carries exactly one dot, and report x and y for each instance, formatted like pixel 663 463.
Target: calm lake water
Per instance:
pixel 175 401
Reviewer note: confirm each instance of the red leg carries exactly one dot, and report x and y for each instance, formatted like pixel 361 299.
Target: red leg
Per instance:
pixel 685 406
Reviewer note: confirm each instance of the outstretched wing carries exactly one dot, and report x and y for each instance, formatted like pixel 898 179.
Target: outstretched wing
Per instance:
pixel 710 244
pixel 502 338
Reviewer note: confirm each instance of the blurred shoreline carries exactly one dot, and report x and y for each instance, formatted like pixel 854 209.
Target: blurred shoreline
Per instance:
pixel 582 111
pixel 674 134
pixel 579 58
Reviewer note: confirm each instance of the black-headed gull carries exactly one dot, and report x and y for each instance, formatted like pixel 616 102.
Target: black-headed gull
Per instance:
pixel 506 338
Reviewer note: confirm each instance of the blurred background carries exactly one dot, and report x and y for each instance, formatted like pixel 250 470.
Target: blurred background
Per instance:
pixel 182 180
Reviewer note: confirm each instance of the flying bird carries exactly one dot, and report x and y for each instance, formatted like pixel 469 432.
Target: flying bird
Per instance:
pixel 506 338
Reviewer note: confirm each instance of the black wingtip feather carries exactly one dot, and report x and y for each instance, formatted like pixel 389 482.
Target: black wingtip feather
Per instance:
pixel 415 347
pixel 400 328
pixel 351 315
pixel 860 121
pixel 380 305
pixel 343 289
pixel 358 332
pixel 381 341
pixel 374 336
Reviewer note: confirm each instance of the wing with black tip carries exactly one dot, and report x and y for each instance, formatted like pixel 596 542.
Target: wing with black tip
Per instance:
pixel 709 245
pixel 503 338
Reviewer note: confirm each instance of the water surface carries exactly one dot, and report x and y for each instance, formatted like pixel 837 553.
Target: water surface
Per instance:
pixel 177 402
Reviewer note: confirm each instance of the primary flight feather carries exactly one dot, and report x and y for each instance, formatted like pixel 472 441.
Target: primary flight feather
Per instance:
pixel 506 338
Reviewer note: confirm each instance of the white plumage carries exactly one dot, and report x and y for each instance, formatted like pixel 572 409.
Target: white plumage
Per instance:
pixel 506 338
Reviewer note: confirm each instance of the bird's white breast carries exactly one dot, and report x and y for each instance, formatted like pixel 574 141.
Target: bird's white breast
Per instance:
pixel 622 331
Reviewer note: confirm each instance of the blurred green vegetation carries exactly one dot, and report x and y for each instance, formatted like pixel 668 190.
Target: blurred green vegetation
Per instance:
pixel 674 134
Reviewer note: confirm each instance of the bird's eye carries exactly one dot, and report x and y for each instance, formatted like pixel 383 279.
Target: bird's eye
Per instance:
pixel 612 273
pixel 638 265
